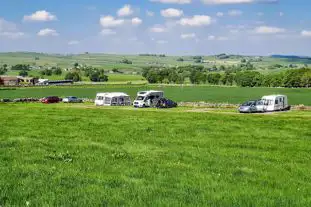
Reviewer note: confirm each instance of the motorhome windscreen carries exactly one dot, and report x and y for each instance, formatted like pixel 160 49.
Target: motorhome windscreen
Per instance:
pixel 140 98
pixel 99 98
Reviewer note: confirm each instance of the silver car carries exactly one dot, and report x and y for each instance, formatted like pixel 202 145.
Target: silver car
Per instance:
pixel 72 99
pixel 254 106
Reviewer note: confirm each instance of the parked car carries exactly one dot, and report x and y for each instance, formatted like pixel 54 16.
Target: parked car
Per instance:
pixel 253 106
pixel 72 99
pixel 166 103
pixel 51 99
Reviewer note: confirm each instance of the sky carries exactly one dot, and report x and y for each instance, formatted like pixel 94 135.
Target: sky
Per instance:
pixel 172 27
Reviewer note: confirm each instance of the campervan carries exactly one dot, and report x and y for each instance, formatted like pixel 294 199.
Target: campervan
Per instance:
pixel 147 98
pixel 112 99
pixel 275 103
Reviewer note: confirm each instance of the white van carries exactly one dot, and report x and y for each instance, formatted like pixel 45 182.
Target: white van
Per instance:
pixel 147 98
pixel 112 99
pixel 275 103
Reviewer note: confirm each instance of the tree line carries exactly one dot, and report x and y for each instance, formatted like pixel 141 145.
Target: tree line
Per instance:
pixel 243 77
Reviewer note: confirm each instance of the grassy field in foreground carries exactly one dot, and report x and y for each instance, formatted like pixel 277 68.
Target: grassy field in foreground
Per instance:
pixel 52 155
pixel 187 93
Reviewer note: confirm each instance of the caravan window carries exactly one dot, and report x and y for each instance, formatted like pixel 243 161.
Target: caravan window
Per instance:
pixel 107 100
pixel 100 98
pixel 114 100
pixel 276 101
pixel 140 98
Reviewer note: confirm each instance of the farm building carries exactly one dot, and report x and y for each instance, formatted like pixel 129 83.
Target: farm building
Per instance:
pixel 17 80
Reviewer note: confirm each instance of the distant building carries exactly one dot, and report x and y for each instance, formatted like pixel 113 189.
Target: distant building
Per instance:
pixel 17 80
pixel 9 81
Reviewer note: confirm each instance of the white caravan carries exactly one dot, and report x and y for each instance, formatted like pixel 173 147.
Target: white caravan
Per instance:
pixel 112 99
pixel 147 98
pixel 275 103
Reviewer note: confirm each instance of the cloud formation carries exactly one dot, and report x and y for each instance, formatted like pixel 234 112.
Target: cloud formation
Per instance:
pixel 173 1
pixel 40 16
pixel 110 21
pixel 126 10
pixel 47 32
pixel 196 21
pixel 268 30
pixel 171 13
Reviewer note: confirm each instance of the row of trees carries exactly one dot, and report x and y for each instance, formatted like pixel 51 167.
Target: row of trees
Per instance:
pixel 243 78
pixel 94 74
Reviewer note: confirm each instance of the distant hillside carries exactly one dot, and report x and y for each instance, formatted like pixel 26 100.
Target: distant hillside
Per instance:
pixel 291 57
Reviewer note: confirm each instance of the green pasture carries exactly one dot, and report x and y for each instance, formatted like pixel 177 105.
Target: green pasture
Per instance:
pixel 72 155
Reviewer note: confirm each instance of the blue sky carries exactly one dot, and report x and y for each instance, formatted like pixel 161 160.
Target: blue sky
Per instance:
pixel 176 27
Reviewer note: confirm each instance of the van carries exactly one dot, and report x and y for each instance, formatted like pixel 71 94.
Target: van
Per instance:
pixel 147 98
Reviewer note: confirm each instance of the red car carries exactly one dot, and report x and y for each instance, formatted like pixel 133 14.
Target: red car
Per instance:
pixel 51 99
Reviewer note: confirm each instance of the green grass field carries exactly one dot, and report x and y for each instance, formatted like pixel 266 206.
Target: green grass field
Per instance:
pixel 211 94
pixel 66 155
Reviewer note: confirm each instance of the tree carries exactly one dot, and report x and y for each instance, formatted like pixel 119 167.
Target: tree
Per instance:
pixel 76 65
pixel 126 61
pixel 213 78
pixel 3 69
pixel 306 79
pixel 248 78
pixel 57 71
pixel 20 67
pixel 180 59
pixel 74 76
pixel 23 73
pixel 98 76
pixel 46 72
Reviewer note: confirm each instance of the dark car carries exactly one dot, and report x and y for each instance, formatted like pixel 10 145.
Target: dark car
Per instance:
pixel 166 103
pixel 51 99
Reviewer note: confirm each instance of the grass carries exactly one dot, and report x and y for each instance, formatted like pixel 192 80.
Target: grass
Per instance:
pixel 60 155
pixel 211 94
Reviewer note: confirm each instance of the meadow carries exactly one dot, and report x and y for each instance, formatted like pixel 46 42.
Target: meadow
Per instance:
pixel 211 94
pixel 72 155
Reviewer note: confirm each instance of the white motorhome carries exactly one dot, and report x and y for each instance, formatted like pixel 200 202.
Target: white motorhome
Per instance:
pixel 147 98
pixel 112 99
pixel 275 103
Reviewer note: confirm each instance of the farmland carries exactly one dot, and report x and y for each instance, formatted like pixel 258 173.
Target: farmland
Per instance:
pixel 65 155
pixel 234 95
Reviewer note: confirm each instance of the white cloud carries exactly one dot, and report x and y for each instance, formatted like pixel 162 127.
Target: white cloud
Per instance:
pixel 260 14
pixel 227 1
pixel 211 37
pixel 306 33
pixel 162 42
pixel 235 13
pixel 268 30
pixel 196 21
pixel 110 21
pixel 168 13
pixel 220 14
pixel 126 10
pixel 173 1
pixel 106 32
pixel 42 16
pixel 158 29
pixel 9 30
pixel 188 36
pixel 12 35
pixel 47 32
pixel 149 13
pixel 73 42
pixel 220 38
pixel 281 14
pixel 136 21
